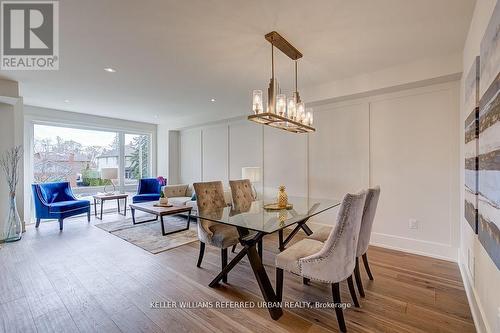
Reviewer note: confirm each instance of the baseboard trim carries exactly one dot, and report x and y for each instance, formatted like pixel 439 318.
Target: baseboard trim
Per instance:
pixel 415 246
pixel 410 245
pixel 474 304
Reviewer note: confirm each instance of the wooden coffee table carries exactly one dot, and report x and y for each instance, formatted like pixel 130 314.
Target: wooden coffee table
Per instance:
pixel 115 196
pixel 158 211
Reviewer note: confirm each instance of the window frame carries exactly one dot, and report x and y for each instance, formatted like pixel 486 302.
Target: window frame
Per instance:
pixel 31 120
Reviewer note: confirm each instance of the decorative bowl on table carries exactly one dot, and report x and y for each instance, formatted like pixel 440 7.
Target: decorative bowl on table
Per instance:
pixel 275 206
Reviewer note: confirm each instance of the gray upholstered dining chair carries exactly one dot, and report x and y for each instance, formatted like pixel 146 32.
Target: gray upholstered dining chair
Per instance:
pixel 242 196
pixel 372 196
pixel 332 261
pixel 210 200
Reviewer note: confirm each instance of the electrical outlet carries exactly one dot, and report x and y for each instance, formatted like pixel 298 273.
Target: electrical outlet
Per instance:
pixel 413 224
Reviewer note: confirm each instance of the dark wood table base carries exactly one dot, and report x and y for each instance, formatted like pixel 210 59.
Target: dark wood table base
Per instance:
pixel 301 225
pixel 252 248
pixel 249 243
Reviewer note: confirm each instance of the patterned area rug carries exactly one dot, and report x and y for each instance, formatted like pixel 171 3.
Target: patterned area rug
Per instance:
pixel 148 235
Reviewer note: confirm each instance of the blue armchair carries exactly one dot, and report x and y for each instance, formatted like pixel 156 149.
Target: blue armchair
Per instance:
pixel 56 201
pixel 149 190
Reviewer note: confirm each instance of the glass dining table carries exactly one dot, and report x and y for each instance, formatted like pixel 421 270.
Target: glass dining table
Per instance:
pixel 253 222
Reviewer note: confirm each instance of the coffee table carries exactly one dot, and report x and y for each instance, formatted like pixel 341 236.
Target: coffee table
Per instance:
pixel 115 196
pixel 158 211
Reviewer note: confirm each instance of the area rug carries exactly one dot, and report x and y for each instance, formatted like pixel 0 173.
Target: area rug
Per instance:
pixel 148 235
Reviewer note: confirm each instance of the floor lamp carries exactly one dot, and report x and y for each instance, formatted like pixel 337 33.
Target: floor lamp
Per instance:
pixel 252 174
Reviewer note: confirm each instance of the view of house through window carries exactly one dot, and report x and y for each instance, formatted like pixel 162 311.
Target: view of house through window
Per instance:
pixel 79 155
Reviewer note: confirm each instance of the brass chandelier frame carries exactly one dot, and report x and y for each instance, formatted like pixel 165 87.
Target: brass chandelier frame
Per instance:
pixel 271 117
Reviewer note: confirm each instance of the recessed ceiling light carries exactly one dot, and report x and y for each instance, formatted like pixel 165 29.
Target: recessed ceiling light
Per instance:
pixel 212 100
pixel 66 101
pixel 110 70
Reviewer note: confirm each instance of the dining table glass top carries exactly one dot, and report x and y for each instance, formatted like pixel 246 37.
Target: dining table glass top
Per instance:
pixel 256 217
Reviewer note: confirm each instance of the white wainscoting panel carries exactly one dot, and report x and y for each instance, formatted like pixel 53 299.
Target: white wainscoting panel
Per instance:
pixel 245 148
pixel 285 162
pixel 215 153
pixel 190 156
pixel 414 159
pixel 339 154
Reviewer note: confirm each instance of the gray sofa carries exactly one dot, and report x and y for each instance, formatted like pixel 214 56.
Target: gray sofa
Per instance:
pixel 180 195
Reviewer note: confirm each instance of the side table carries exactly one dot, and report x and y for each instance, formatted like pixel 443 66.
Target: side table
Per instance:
pixel 115 196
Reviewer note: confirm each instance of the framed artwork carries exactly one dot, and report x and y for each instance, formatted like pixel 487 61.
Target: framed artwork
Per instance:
pixel 489 140
pixel 471 106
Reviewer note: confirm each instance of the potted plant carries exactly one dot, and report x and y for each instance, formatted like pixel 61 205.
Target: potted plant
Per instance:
pixel 163 199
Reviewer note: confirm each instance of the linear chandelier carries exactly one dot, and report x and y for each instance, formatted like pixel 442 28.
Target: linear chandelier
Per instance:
pixel 284 113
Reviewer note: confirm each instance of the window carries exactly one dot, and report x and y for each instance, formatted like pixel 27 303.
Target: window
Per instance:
pixel 74 155
pixel 78 155
pixel 137 157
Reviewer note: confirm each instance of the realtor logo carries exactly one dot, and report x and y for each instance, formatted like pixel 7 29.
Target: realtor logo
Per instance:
pixel 29 35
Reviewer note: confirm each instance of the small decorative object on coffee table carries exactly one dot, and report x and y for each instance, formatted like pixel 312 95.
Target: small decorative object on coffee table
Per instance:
pixel 282 197
pixel 153 208
pixel 163 199
pixel 101 197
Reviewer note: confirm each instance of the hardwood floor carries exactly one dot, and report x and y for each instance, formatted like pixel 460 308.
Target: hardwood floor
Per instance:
pixel 84 279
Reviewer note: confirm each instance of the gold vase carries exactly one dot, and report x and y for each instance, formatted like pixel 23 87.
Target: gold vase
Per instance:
pixel 282 197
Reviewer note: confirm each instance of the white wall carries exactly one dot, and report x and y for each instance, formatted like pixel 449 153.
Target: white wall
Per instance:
pixel 407 75
pixel 168 154
pixel 481 277
pixel 218 152
pixel 162 138
pixel 190 159
pixel 339 153
pixel 173 163
pixel 285 162
pixel 406 142
pixel 215 150
pixel 245 148
pixel 414 158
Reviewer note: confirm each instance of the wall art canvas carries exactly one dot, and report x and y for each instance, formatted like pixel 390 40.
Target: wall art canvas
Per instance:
pixel 471 106
pixel 490 52
pixel 489 140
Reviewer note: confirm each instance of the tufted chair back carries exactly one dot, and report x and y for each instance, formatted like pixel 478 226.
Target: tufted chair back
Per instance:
pixel 149 186
pixel 336 260
pixel 54 192
pixel 209 198
pixel 365 232
pixel 241 191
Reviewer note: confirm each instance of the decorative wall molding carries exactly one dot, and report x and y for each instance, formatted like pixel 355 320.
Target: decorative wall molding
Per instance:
pixel 475 305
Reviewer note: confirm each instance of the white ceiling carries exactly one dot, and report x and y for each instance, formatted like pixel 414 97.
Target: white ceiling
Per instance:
pixel 172 57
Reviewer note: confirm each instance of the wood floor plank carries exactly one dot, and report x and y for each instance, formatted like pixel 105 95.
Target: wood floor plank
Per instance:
pixel 15 317
pixel 87 280
pixel 133 320
pixel 55 321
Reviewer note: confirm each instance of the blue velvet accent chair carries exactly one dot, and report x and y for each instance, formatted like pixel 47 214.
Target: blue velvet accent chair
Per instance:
pixel 57 201
pixel 149 190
